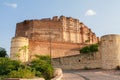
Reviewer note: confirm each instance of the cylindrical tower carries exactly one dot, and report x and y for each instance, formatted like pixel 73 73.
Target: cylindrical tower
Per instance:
pixel 19 49
pixel 110 51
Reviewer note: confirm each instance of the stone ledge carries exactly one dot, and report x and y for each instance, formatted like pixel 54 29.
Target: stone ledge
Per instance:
pixel 24 79
pixel 57 74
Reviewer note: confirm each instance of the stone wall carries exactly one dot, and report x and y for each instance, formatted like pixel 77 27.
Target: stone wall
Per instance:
pixel 57 37
pixel 19 49
pixel 110 50
pixel 78 62
pixel 62 29
pixel 55 49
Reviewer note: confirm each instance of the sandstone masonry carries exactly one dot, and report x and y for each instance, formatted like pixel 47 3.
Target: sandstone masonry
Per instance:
pixel 61 38
pixel 57 37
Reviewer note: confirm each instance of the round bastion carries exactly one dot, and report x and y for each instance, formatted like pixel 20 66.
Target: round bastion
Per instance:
pixel 110 51
pixel 17 51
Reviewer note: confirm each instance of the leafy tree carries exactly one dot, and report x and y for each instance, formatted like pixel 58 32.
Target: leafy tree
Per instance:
pixel 3 52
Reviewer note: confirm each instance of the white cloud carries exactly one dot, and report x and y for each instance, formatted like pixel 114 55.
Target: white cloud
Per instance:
pixel 13 5
pixel 90 12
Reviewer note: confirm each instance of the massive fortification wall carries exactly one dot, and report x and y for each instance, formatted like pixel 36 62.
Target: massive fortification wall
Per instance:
pixel 61 38
pixel 78 61
pixel 110 51
pixel 55 49
pixel 58 37
pixel 63 29
pixel 19 50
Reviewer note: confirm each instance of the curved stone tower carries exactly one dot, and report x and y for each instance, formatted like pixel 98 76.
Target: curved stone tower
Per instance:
pixel 19 49
pixel 110 51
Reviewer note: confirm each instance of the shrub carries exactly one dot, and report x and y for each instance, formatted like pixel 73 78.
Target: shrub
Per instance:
pixel 43 67
pixel 21 73
pixel 89 49
pixel 94 48
pixel 40 67
pixel 7 65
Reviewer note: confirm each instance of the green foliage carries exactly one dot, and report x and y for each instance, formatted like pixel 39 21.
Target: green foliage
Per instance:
pixel 39 67
pixel 21 73
pixel 43 67
pixel 3 52
pixel 85 50
pixel 7 65
pixel 94 48
pixel 89 49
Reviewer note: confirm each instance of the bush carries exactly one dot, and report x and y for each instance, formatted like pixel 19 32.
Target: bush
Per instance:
pixel 40 67
pixel 94 48
pixel 89 49
pixel 21 73
pixel 7 65
pixel 43 67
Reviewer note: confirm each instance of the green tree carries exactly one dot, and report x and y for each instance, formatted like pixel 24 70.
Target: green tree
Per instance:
pixel 3 52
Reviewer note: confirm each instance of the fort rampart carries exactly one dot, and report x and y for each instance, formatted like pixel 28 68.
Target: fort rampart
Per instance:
pixel 62 38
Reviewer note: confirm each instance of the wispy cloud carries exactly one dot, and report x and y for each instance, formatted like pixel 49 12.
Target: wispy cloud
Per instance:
pixel 13 5
pixel 90 12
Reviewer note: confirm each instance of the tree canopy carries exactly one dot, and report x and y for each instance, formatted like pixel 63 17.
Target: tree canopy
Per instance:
pixel 3 52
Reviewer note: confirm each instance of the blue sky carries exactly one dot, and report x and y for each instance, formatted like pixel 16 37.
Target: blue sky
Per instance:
pixel 102 16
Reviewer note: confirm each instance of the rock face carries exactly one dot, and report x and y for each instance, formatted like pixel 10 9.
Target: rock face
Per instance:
pixel 110 51
pixel 57 37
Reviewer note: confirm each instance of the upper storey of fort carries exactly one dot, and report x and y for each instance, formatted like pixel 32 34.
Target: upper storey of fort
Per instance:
pixel 59 29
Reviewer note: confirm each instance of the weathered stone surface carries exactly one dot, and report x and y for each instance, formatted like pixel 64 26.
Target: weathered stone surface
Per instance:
pixel 58 37
pixel 24 79
pixel 110 50
pixel 78 62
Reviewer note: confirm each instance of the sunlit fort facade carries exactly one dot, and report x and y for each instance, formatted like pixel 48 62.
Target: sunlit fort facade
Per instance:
pixel 57 37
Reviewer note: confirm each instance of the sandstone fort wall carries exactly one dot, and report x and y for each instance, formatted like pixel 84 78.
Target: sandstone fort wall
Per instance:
pixel 78 62
pixel 60 36
pixel 110 51
pixel 16 44
pixel 57 49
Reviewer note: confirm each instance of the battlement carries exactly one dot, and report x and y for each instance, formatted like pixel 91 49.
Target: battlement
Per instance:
pixel 56 18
